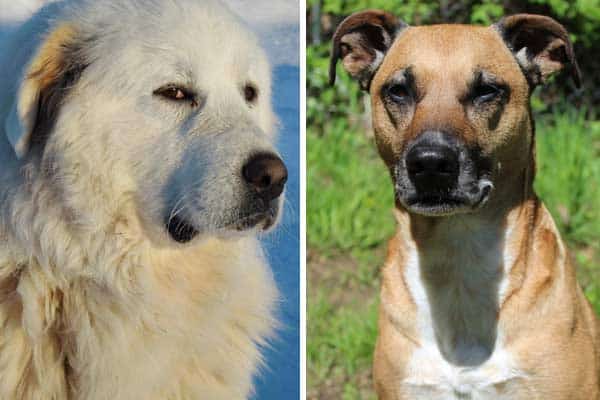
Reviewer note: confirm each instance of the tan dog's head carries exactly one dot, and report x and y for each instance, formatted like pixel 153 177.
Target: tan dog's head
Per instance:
pixel 450 103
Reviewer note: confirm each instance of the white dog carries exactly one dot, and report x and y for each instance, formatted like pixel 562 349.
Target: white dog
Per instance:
pixel 136 169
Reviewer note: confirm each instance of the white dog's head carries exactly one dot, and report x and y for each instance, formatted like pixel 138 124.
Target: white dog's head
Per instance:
pixel 161 104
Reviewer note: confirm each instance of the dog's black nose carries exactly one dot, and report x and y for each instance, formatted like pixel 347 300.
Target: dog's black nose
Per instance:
pixel 266 174
pixel 433 168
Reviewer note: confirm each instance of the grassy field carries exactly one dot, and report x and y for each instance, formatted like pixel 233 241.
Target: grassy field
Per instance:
pixel 349 220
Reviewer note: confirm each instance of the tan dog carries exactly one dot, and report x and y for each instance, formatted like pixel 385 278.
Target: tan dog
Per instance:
pixel 479 299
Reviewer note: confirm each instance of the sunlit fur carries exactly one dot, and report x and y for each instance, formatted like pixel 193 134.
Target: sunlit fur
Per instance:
pixel 96 300
pixel 478 302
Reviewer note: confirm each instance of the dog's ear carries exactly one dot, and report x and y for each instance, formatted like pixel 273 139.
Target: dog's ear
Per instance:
pixel 361 41
pixel 541 46
pixel 53 70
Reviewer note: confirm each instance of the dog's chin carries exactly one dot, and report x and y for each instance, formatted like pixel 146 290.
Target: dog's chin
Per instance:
pixel 183 231
pixel 446 204
pixel 435 207
pixel 255 217
pixel 261 221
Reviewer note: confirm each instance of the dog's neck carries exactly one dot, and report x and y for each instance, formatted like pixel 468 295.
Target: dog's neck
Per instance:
pixel 460 265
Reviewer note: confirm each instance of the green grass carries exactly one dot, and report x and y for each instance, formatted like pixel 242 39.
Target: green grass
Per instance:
pixel 568 155
pixel 348 187
pixel 350 199
pixel 349 202
pixel 568 181
pixel 344 342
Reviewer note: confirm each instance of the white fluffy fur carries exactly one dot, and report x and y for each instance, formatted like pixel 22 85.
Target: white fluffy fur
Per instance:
pixel 96 302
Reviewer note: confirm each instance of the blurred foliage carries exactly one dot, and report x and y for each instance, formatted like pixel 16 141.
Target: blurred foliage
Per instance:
pixel 568 169
pixel 323 101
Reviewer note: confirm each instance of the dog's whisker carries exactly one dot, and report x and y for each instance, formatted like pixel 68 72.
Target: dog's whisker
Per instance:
pixel 177 208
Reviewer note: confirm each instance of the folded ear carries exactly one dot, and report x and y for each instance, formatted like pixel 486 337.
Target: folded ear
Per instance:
pixel 53 70
pixel 541 46
pixel 361 41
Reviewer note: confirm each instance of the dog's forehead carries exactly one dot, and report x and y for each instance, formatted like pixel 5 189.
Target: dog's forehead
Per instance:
pixel 180 35
pixel 204 39
pixel 450 52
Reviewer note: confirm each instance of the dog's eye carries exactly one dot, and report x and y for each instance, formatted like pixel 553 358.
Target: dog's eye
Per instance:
pixel 176 93
pixel 250 93
pixel 486 92
pixel 398 92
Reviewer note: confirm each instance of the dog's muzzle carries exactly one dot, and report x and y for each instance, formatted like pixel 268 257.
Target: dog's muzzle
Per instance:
pixel 263 179
pixel 266 176
pixel 438 175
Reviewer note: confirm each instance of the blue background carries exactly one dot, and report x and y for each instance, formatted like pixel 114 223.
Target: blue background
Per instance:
pixel 280 378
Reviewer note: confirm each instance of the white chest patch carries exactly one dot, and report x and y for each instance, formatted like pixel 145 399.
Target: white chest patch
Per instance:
pixel 430 377
pixel 461 353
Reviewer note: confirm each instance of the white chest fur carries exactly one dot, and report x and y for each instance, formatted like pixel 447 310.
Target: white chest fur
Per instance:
pixel 457 289
pixel 430 377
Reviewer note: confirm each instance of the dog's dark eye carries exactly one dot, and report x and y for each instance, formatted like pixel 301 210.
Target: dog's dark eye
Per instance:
pixel 176 93
pixel 486 92
pixel 398 93
pixel 250 93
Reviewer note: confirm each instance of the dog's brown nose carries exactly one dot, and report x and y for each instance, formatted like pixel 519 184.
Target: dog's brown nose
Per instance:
pixel 266 174
pixel 433 168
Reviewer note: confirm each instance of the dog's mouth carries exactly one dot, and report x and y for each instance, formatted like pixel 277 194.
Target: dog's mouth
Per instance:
pixel 440 175
pixel 183 231
pixel 256 214
pixel 264 220
pixel 447 203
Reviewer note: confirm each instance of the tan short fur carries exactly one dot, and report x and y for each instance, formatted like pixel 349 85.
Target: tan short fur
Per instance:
pixel 498 275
